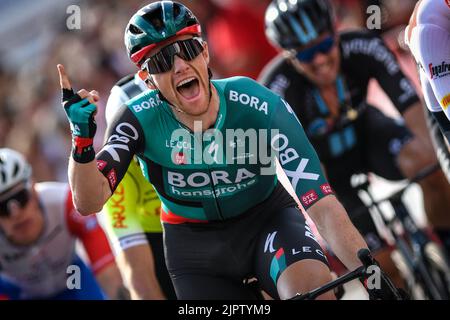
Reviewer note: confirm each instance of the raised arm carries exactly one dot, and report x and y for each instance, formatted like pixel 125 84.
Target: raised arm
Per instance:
pixel 90 188
pixel 302 166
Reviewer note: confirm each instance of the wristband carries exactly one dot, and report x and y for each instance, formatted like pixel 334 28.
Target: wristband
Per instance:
pixel 67 94
pixel 83 149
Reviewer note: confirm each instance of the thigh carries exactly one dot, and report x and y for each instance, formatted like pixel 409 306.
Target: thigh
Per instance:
pixel 285 240
pixel 155 241
pixel 385 139
pixel 201 263
pixel 207 287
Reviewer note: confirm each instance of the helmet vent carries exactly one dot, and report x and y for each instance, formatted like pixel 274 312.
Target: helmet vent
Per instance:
pixel 176 10
pixel 155 18
pixel 16 169
pixel 135 30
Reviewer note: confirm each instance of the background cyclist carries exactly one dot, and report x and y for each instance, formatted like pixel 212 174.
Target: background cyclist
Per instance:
pixel 324 75
pixel 38 230
pixel 132 217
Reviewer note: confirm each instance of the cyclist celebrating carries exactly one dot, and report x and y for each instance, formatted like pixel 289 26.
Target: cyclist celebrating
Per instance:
pixel 38 230
pixel 225 216
pixel 324 75
pixel 132 218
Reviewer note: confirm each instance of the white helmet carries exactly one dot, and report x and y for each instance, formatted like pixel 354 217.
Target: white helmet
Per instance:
pixel 13 169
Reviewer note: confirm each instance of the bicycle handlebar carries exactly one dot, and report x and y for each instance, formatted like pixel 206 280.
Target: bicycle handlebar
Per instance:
pixel 388 290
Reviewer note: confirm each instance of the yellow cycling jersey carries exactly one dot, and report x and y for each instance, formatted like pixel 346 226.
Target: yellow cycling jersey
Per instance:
pixel 132 211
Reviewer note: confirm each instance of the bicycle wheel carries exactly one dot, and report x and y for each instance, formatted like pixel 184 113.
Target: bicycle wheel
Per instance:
pixel 404 261
pixel 439 269
pixel 415 272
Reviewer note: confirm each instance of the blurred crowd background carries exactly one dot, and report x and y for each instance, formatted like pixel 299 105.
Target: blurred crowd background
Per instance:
pixel 34 37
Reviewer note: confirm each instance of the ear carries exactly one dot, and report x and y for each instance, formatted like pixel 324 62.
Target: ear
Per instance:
pixel 205 52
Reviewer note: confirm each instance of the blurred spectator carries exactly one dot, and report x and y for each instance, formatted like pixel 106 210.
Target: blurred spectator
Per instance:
pixel 31 118
pixel 237 40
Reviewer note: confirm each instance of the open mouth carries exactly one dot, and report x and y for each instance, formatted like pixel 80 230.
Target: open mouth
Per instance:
pixel 189 88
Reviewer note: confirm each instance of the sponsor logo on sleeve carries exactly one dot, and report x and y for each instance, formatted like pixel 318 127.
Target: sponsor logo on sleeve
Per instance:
pixel 124 133
pixel 446 100
pixel 112 178
pixel 326 189
pixel 101 164
pixel 374 48
pixel 440 70
pixel 309 198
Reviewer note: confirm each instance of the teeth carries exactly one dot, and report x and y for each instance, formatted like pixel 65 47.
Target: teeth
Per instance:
pixel 185 81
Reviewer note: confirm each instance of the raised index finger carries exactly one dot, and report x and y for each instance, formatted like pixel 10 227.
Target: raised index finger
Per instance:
pixel 63 78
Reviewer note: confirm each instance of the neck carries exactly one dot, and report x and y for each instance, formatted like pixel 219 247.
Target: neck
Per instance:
pixel 207 119
pixel 328 88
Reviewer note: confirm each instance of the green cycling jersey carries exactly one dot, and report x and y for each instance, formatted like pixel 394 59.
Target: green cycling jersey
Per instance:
pixel 224 171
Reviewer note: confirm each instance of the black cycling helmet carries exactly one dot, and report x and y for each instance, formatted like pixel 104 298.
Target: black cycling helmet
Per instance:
pixel 156 23
pixel 294 23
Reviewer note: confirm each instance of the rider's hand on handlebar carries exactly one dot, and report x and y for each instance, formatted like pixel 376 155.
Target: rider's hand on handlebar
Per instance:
pixel 379 286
